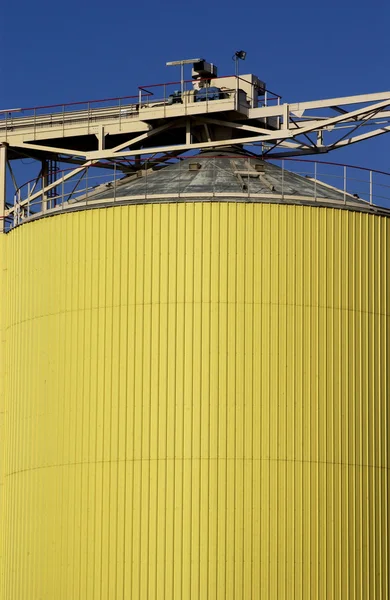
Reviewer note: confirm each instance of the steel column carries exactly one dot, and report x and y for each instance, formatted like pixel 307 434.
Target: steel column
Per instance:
pixel 45 183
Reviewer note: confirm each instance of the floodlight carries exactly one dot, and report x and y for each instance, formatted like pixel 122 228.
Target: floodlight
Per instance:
pixel 237 56
pixel 241 54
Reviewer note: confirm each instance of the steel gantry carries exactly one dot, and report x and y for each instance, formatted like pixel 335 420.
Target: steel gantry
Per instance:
pixel 126 134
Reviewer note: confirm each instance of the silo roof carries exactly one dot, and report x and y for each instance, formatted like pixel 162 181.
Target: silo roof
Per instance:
pixel 229 176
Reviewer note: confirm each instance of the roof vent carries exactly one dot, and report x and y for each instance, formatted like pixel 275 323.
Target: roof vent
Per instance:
pixel 194 166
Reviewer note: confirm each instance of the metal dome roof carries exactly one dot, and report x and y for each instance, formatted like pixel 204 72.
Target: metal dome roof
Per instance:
pixel 227 176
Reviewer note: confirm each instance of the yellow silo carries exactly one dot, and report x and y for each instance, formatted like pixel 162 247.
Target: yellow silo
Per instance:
pixel 197 401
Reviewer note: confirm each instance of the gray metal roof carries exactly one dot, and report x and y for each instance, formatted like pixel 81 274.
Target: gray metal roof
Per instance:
pixel 228 176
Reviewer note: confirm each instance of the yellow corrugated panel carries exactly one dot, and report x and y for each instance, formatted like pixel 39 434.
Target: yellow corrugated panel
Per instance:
pixel 197 404
pixel 2 398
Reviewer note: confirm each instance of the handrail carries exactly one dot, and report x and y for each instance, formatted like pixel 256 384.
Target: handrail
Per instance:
pixel 237 156
pixel 79 102
pixel 119 99
pixel 326 162
pixel 67 192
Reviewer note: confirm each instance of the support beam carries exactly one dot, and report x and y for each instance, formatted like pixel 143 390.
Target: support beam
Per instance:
pixel 12 175
pixel 58 181
pixel 199 146
pixel 101 139
pixel 347 117
pixel 286 116
pixel 53 149
pixel 137 139
pixel 232 125
pixel 45 183
pixel 343 101
pixel 360 138
pixel 293 127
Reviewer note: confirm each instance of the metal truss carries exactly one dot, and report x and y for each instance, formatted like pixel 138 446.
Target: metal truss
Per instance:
pixel 160 131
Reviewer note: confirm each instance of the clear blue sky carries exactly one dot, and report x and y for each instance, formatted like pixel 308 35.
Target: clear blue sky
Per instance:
pixel 54 52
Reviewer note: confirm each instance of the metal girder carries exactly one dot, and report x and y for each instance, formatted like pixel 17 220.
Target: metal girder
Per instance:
pixel 298 108
pixel 243 127
pixel 285 129
pixel 53 149
pixel 55 183
pixel 343 100
pixel 232 125
pixel 288 136
pixel 12 175
pixel 137 139
pixel 360 138
pixel 187 147
pixel 360 112
pixel 291 134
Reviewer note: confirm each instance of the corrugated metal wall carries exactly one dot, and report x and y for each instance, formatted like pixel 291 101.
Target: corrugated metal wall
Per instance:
pixel 2 392
pixel 198 404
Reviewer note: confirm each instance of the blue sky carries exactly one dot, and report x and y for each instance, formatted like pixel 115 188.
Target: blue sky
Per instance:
pixel 63 52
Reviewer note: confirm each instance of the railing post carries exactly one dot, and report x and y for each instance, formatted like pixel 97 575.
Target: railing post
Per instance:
pixel 182 78
pixel 214 173
pixel 247 183
pixel 315 181
pixel 283 179
pixel 146 177
pixel 28 197
pixel 114 181
pixel 16 210
pixel 371 181
pixel 345 185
